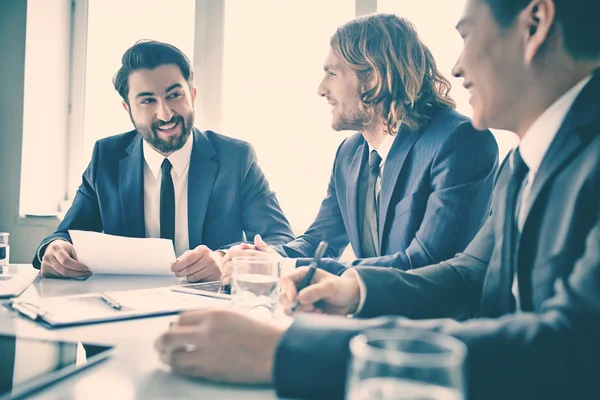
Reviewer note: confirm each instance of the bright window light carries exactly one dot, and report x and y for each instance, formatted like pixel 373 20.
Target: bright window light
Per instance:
pixel 273 63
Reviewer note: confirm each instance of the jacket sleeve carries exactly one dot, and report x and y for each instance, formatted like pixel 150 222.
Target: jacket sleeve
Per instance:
pixel 548 355
pixel 328 226
pixel 462 179
pixel 84 213
pixel 261 212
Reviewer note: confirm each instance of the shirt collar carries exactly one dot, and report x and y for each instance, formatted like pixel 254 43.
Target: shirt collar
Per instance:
pixel 384 147
pixel 179 159
pixel 540 135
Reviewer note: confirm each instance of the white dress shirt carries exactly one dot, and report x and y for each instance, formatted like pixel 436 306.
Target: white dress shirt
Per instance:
pixel 538 138
pixel 533 148
pixel 289 264
pixel 180 160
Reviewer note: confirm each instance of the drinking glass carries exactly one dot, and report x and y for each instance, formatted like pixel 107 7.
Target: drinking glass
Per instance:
pixel 255 283
pixel 405 364
pixel 4 250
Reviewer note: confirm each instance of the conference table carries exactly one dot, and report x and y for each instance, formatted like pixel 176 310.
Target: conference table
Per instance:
pixel 134 370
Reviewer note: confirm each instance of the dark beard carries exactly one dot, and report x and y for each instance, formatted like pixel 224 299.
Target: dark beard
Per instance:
pixel 167 146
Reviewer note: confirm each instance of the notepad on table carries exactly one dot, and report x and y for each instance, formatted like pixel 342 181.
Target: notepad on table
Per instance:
pixel 64 311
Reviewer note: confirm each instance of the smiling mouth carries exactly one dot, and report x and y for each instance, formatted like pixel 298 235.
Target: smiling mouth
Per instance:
pixel 168 127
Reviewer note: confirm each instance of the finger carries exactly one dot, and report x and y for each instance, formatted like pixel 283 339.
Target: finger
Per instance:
pixel 298 275
pixel 185 362
pixel 48 271
pixel 226 280
pixel 260 244
pixel 201 264
pixel 180 337
pixel 288 289
pixel 211 273
pixel 64 258
pixel 189 257
pixel 61 271
pixel 319 291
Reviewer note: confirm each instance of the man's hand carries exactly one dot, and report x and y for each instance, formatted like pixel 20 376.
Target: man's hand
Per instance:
pixel 199 264
pixel 60 260
pixel 327 293
pixel 221 345
pixel 260 250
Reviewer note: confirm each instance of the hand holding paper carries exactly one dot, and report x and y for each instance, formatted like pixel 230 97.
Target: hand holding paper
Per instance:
pixel 108 254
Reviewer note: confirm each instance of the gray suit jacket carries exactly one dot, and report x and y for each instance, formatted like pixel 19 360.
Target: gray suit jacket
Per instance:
pixel 551 349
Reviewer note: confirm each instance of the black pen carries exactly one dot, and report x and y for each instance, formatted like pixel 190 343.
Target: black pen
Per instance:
pixel 311 270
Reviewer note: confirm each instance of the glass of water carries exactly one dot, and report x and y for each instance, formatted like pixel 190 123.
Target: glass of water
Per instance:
pixel 255 284
pixel 405 364
pixel 4 249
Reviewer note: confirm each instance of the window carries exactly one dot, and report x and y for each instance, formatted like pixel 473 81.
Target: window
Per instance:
pixel 273 63
pixel 258 67
pixel 114 26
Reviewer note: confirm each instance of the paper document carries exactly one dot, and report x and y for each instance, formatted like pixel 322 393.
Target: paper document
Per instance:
pixel 108 254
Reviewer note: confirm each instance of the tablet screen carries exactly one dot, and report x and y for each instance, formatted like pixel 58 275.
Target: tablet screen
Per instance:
pixel 27 365
pixel 211 289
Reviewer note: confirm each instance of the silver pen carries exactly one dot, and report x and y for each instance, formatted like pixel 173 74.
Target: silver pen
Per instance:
pixel 110 301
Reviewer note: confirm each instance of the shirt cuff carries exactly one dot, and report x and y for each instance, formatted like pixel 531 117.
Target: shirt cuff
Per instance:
pixel 287 266
pixel 362 289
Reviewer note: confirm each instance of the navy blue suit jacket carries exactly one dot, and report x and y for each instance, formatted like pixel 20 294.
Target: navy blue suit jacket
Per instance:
pixel 228 195
pixel 435 195
pixel 549 350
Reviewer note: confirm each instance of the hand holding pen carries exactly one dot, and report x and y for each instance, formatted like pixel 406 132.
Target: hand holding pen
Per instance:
pixel 326 293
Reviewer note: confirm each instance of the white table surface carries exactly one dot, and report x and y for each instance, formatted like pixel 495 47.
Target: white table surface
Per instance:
pixel 134 370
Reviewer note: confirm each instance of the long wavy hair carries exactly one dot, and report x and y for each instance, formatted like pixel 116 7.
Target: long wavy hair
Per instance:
pixel 399 79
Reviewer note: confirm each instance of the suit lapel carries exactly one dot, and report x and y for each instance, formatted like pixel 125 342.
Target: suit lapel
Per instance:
pixel 131 189
pixel 568 140
pixel 201 179
pixel 403 143
pixel 497 291
pixel 352 195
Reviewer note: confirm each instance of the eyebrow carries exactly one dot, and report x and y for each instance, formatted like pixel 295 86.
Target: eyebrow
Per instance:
pixel 173 86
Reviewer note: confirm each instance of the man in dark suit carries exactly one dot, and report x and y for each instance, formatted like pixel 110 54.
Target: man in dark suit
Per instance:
pixel 167 179
pixel 413 186
pixel 527 286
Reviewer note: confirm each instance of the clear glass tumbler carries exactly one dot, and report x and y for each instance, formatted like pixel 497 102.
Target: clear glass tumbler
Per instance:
pixel 405 364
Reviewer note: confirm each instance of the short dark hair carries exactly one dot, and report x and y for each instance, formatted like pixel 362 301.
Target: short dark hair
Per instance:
pixel 577 18
pixel 149 54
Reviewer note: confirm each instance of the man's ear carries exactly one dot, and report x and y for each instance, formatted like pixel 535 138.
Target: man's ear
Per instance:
pixel 125 106
pixel 194 93
pixel 537 18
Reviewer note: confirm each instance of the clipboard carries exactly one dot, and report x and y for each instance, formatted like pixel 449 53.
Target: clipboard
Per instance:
pixel 65 311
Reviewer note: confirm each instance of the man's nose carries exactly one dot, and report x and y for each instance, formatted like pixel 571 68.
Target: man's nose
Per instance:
pixel 164 112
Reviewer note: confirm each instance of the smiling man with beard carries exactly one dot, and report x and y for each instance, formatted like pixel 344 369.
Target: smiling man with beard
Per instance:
pixel 167 179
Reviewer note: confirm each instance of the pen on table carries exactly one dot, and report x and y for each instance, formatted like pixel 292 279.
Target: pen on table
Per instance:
pixel 312 267
pixel 110 301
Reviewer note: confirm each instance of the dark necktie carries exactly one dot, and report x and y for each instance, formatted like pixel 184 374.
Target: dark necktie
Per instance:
pixel 511 232
pixel 370 239
pixel 167 202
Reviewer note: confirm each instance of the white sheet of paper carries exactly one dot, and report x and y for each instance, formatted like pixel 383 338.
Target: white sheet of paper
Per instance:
pixel 108 254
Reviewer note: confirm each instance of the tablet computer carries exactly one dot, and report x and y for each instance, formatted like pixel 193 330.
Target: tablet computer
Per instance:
pixel 209 289
pixel 28 365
